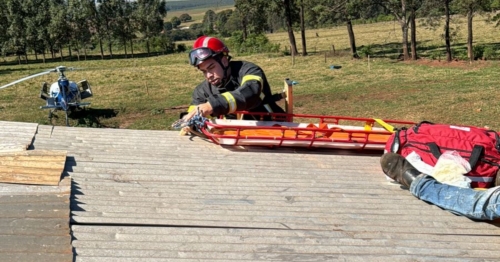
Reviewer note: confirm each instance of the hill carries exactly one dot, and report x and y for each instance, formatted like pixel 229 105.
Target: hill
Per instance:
pixel 196 4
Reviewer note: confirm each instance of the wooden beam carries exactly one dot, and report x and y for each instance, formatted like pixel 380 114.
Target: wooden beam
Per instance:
pixel 289 99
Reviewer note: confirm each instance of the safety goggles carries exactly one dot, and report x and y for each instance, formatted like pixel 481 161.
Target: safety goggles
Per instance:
pixel 199 55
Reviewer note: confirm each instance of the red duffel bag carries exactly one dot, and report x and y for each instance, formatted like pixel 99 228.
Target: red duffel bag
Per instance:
pixel 479 146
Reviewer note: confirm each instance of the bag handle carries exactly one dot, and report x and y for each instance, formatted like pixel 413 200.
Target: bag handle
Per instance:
pixel 396 142
pixel 477 151
pixel 497 139
pixel 417 126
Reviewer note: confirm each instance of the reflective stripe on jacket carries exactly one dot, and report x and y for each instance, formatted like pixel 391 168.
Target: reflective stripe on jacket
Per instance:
pixel 246 89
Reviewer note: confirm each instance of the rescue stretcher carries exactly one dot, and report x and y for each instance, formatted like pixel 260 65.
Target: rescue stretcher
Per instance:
pixel 315 131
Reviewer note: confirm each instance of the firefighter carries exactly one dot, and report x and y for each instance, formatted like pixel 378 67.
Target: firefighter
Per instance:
pixel 229 86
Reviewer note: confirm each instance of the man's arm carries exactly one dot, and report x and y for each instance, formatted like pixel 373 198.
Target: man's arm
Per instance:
pixel 198 104
pixel 247 96
pixel 198 97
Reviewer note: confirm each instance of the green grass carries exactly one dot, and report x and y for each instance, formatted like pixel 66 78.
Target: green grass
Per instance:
pixel 149 93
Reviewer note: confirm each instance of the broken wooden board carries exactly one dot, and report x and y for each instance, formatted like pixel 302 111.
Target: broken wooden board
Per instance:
pixel 38 167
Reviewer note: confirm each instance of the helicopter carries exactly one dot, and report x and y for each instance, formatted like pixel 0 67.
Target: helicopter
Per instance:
pixel 64 95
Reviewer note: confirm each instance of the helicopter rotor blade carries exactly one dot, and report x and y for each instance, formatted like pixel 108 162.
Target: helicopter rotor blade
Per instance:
pixel 26 78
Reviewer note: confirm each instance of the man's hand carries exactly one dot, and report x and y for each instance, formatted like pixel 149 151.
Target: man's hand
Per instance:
pixel 205 110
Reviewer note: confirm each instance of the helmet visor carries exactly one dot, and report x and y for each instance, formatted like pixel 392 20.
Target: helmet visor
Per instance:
pixel 199 55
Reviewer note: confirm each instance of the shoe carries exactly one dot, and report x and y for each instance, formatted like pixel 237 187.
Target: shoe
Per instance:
pixel 396 167
pixel 497 179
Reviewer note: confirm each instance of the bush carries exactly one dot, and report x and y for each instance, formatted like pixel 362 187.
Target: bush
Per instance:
pixel 181 48
pixel 255 43
pixel 365 51
pixel 162 44
pixel 489 53
pixel 460 54
pixel 436 55
pixel 478 52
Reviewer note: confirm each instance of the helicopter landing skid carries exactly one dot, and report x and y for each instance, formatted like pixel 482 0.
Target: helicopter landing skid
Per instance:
pixel 51 104
pixel 51 115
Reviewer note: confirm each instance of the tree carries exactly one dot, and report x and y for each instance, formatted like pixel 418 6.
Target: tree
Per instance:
pixel 123 26
pixel 185 18
pixel 302 26
pixel 233 23
pixel 343 11
pixel 414 6
pixel 34 20
pixel 15 30
pixel 3 26
pixel 175 21
pixel 208 22
pixel 469 8
pixel 447 40
pixel 167 26
pixel 495 5
pixel 399 8
pixel 195 26
pixel 79 26
pixel 108 17
pixel 252 14
pixel 221 19
pixel 58 27
pixel 149 18
pixel 96 26
pixel 287 7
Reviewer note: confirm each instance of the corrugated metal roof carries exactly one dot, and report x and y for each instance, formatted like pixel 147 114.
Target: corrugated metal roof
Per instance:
pixel 34 220
pixel 156 196
pixel 16 136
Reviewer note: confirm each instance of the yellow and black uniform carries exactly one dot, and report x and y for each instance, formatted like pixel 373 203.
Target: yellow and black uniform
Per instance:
pixel 246 89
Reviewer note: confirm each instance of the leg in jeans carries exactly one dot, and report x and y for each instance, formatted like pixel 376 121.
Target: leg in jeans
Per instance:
pixel 475 204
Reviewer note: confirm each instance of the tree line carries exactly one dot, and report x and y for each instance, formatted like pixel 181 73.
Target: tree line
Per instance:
pixel 47 26
pixel 266 15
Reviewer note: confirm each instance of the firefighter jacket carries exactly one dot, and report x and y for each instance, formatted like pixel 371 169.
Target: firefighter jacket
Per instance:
pixel 246 90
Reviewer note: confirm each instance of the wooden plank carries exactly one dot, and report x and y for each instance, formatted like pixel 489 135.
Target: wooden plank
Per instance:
pixel 40 167
pixel 288 89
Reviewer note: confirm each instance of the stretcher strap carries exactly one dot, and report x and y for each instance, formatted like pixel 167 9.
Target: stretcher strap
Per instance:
pixel 385 125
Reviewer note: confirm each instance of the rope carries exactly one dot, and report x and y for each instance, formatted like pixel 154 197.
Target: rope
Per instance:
pixel 198 120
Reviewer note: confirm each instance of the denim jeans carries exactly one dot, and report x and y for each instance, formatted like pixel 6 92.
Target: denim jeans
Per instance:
pixel 475 204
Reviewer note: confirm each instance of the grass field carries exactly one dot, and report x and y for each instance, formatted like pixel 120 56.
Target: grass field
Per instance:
pixel 149 93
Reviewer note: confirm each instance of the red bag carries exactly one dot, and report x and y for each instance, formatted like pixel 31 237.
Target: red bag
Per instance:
pixel 481 147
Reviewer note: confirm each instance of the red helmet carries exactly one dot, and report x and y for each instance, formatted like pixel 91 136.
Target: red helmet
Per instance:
pixel 206 47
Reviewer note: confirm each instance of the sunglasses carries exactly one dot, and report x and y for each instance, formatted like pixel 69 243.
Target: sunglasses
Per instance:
pixel 199 55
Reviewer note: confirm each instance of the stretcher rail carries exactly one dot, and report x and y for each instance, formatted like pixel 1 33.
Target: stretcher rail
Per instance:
pixel 315 131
